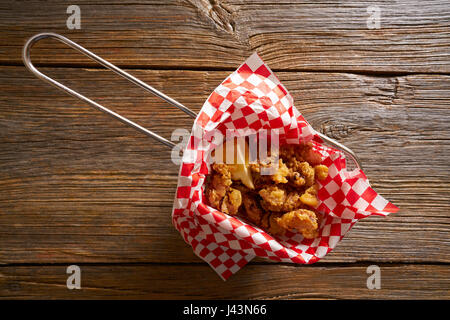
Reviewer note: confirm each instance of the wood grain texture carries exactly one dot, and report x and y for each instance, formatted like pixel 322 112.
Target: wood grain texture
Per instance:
pixel 79 188
pixel 200 34
pixel 253 282
pixel 76 186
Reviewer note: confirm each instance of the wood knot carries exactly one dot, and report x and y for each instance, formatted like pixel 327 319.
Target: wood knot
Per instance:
pixel 220 14
pixel 335 130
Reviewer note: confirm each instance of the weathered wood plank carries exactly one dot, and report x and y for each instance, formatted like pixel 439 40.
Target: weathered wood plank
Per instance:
pixel 252 282
pixel 77 186
pixel 289 35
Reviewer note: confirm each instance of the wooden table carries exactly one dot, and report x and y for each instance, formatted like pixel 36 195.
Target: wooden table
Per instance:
pixel 77 188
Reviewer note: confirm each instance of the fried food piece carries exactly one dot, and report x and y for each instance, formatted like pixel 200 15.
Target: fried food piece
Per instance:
pixel 310 196
pixel 231 202
pixel 279 199
pixel 242 188
pixel 302 169
pixel 253 210
pixel 270 223
pixel 293 201
pixel 255 167
pixel 301 173
pixel 219 192
pixel 308 172
pixel 281 172
pixel 273 198
pixel 321 172
pixel 219 184
pixel 296 179
pixel 274 227
pixel 300 152
pixel 302 220
pixel 223 169
pixel 288 151
pixel 308 154
pixel 214 197
pixel 261 181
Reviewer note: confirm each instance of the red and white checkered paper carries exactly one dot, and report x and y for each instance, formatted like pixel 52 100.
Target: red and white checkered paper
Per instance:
pixel 252 97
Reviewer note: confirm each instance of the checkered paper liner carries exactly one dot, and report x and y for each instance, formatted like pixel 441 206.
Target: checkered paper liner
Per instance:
pixel 252 97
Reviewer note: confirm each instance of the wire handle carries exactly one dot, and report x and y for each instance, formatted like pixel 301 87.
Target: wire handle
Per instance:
pixel 27 61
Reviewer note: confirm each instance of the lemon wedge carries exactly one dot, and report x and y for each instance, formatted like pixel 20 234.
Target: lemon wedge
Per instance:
pixel 236 155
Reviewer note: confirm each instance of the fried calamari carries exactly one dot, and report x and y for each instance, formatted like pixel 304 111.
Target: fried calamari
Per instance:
pixel 279 198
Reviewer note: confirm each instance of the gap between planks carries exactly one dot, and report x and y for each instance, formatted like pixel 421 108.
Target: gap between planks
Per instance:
pixel 368 73
pixel 321 264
